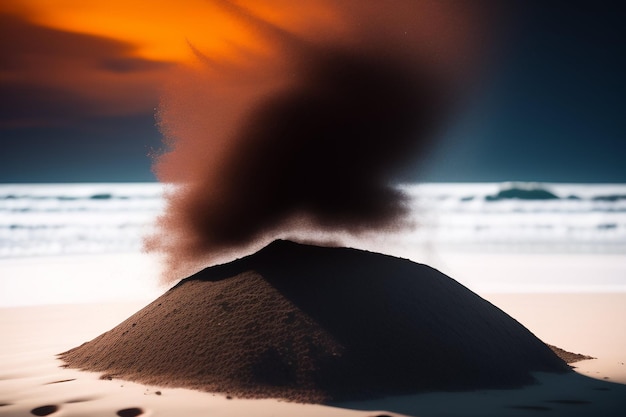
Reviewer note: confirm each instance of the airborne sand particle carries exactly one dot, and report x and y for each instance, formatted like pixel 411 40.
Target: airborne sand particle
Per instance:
pixel 309 136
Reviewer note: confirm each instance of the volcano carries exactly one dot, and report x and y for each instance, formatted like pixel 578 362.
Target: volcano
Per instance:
pixel 319 324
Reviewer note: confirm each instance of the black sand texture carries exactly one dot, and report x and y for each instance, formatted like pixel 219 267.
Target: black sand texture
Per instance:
pixel 315 324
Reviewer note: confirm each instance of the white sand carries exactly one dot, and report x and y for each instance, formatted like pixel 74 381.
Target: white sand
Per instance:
pixel 62 280
pixel 30 375
pixel 34 334
pixel 589 323
pixel 134 276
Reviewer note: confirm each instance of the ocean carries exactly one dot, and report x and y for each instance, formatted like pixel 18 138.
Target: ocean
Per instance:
pixel 68 219
pixel 82 243
pixel 521 217
pixel 63 219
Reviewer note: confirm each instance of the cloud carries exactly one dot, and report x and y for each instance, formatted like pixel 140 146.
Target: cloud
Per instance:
pixel 51 77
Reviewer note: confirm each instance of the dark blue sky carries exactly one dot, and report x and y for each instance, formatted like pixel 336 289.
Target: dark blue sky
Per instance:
pixel 555 107
pixel 552 108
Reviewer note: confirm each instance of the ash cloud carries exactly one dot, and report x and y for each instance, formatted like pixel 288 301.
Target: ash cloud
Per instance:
pixel 307 140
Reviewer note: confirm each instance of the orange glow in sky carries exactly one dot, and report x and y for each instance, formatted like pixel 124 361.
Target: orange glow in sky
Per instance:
pixel 115 57
pixel 161 29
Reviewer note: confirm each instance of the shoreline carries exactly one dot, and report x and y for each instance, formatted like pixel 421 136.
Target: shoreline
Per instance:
pixel 132 276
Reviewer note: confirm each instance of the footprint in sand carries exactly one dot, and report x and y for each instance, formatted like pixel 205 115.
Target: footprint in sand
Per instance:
pixel 44 410
pixel 60 382
pixel 130 412
pixel 80 400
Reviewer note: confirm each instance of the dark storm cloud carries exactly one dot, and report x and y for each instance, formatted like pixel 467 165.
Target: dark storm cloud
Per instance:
pixel 313 137
pixel 129 65
pixel 23 42
pixel 74 107
pixel 52 77
pixel 25 105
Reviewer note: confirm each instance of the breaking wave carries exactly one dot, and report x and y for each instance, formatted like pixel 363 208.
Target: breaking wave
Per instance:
pixel 58 219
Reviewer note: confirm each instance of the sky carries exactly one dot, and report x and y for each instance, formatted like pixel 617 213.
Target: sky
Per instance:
pixel 81 82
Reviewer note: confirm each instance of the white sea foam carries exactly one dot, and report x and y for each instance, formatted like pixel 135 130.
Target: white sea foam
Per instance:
pixel 56 219
pixel 514 217
pixel 490 237
pixel 61 219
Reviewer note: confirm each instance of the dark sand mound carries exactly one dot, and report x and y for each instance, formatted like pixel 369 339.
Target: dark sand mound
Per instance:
pixel 569 357
pixel 317 324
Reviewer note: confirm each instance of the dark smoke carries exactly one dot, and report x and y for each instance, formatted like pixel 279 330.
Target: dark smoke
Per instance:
pixel 309 140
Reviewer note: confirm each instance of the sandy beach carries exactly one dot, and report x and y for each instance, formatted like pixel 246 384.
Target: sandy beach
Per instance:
pixel 32 377
pixel 234 208
pixel 33 381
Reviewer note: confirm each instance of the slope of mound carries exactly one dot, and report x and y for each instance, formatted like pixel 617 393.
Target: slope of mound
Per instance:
pixel 315 324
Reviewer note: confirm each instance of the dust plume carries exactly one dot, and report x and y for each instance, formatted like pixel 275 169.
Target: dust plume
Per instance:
pixel 303 127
